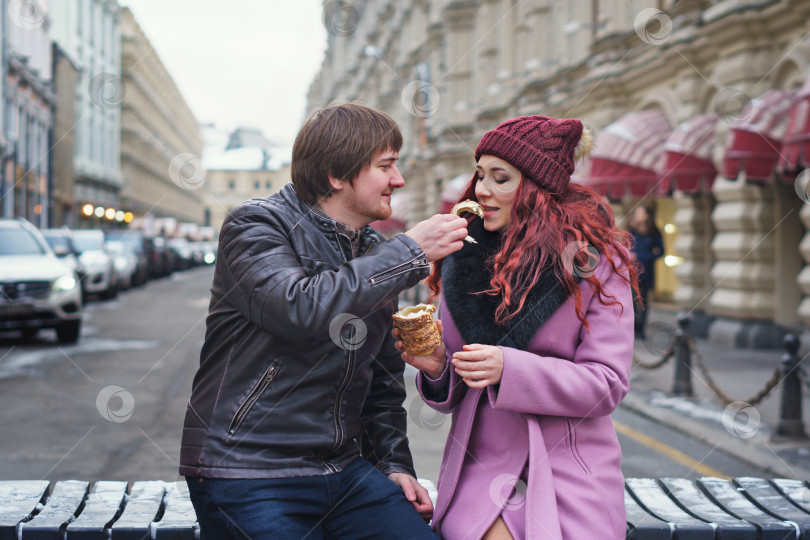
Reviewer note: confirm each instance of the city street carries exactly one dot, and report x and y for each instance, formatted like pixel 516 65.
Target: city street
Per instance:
pixel 112 406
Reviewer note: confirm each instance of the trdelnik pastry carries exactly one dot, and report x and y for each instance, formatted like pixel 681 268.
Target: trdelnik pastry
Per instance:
pixel 468 206
pixel 417 329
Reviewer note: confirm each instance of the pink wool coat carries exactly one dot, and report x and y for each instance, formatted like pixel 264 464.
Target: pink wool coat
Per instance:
pixel 565 385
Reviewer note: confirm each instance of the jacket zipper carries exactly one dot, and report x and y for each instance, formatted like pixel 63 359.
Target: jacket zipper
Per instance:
pixel 401 269
pixel 341 390
pixel 252 398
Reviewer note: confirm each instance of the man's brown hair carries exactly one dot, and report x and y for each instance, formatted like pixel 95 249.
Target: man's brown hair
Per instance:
pixel 339 141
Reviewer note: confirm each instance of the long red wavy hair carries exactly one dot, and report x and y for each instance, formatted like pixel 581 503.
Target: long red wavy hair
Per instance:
pixel 559 234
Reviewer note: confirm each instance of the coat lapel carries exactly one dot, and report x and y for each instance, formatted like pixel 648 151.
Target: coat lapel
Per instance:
pixel 468 271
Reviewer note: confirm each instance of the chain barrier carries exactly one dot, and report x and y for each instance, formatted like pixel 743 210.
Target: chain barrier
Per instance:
pixel 658 363
pixel 772 383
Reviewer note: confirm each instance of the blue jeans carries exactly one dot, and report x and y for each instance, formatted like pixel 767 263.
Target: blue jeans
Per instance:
pixel 358 502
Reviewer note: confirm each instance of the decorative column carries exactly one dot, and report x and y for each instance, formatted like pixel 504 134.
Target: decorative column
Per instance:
pixel 695 232
pixel 743 273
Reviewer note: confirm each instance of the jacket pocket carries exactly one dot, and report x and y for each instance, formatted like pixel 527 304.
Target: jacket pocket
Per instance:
pixel 572 443
pixel 413 264
pixel 253 397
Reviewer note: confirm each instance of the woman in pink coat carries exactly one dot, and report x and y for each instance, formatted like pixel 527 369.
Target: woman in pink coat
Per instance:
pixel 538 334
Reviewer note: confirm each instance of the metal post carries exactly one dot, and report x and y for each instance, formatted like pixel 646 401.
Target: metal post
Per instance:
pixel 683 359
pixel 790 410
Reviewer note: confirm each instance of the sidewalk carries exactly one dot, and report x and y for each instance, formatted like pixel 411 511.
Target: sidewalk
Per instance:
pixel 742 431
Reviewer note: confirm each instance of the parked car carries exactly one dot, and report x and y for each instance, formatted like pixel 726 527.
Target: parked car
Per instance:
pixel 61 242
pixel 37 290
pixel 204 252
pixel 161 262
pixel 98 262
pixel 183 259
pixel 141 245
pixel 125 261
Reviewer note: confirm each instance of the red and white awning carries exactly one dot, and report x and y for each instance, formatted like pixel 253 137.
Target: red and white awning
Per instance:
pixel 755 139
pixel 796 144
pixel 688 155
pixel 626 154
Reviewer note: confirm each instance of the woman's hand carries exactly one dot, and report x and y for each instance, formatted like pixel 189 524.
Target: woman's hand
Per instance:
pixel 479 365
pixel 432 365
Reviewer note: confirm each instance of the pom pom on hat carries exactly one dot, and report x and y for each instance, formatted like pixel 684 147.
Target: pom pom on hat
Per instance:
pixel 543 149
pixel 584 146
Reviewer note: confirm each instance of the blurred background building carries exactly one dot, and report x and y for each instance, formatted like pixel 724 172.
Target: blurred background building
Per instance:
pixel 240 165
pixel 28 98
pixel 161 142
pixel 89 33
pixel 701 110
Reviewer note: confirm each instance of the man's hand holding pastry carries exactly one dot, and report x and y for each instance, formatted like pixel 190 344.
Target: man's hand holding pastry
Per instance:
pixel 440 235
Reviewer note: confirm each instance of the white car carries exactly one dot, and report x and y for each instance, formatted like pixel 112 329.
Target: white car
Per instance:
pixel 125 261
pixel 37 290
pixel 98 264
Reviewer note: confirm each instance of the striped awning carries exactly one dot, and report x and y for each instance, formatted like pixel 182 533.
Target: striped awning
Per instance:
pixel 796 144
pixel 755 139
pixel 626 154
pixel 687 156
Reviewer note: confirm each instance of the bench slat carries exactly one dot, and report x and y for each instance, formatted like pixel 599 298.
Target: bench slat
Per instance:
pixel 657 502
pixel 64 502
pixel 18 500
pixel 767 498
pixel 642 525
pixel 103 504
pixel 723 493
pixel 179 522
pixel 143 505
pixel 794 490
pixel 696 502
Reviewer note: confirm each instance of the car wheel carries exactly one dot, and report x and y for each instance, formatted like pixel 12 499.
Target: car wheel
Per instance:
pixel 68 332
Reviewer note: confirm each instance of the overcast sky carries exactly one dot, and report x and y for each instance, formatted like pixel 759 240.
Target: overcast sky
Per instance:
pixel 239 62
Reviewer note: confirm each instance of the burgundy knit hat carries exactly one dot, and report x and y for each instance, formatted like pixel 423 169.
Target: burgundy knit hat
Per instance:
pixel 542 148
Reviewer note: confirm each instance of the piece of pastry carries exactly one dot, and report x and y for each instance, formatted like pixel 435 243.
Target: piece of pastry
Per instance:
pixel 468 206
pixel 417 329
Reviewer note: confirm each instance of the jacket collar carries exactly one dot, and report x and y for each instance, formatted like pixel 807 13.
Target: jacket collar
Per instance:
pixel 468 271
pixel 368 236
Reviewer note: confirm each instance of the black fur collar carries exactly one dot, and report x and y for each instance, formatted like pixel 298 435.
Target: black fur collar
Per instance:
pixel 467 271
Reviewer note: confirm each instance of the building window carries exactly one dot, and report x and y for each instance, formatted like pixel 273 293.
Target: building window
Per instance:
pixel 257 185
pixel 231 185
pixel 268 184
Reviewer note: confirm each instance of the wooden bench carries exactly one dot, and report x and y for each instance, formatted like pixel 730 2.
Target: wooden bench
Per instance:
pixel 669 508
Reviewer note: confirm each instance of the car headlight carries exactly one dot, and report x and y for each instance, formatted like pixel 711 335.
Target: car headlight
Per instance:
pixel 64 283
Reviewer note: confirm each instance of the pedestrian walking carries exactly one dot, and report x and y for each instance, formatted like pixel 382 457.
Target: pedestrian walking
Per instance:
pixel 647 247
pixel 537 321
pixel 295 427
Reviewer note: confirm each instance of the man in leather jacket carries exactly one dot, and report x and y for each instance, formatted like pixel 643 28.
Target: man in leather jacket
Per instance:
pixel 296 417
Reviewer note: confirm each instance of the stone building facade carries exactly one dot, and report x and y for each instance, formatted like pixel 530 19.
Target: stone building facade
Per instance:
pixel 681 96
pixel 161 141
pixel 228 188
pixel 89 31
pixel 27 102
